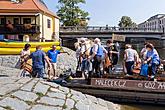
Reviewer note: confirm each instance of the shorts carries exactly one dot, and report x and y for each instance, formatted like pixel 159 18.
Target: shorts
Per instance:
pixel 54 66
pixel 38 72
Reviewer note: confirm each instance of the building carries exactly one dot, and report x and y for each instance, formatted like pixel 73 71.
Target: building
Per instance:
pixel 154 22
pixel 28 17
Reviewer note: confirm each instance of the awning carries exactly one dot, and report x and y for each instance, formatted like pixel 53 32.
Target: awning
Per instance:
pixel 19 14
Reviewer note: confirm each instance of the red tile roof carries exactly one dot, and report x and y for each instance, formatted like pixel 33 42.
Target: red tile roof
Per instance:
pixel 25 6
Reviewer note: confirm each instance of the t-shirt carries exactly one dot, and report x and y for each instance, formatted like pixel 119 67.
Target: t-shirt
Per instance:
pixel 130 54
pixel 52 54
pixel 38 59
pixel 112 48
pixel 25 52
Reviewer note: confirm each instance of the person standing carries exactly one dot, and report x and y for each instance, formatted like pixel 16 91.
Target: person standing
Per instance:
pixel 130 57
pixel 52 55
pixel 112 53
pixel 38 62
pixel 84 54
pixel 152 58
pixel 25 51
pixel 98 54
pixel 26 66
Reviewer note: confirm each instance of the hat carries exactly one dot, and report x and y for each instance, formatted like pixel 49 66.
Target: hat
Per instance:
pixel 82 40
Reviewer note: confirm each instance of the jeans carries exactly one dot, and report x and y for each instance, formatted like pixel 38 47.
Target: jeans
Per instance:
pixel 97 64
pixel 38 72
pixel 129 66
pixel 86 65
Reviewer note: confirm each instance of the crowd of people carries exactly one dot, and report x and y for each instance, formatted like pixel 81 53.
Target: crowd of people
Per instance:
pixel 98 60
pixel 39 58
pixel 94 59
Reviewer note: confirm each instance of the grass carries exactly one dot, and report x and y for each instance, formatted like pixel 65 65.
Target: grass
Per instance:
pixel 29 102
pixel 40 94
pixel 8 108
pixel 64 106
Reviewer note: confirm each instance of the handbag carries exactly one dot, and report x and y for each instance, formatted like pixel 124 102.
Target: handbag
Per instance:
pixel 144 70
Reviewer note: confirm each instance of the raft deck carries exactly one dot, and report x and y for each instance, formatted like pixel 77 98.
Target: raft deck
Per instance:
pixel 123 89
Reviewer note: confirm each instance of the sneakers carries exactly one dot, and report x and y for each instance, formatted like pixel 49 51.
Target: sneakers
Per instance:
pixel 152 76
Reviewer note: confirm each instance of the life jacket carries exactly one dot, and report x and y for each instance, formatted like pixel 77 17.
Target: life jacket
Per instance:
pixel 100 51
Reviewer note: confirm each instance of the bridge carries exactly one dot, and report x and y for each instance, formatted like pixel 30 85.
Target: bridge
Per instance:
pixel 106 32
pixel 69 34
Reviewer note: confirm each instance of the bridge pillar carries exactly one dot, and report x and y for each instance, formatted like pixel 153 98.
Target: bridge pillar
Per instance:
pixel 163 43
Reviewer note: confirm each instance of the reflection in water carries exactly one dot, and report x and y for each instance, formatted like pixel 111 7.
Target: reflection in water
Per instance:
pixel 141 107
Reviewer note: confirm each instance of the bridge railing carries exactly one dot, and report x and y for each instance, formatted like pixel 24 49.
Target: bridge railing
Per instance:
pixel 107 29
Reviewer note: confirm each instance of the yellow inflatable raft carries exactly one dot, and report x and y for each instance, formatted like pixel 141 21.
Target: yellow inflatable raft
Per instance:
pixel 21 44
pixel 16 51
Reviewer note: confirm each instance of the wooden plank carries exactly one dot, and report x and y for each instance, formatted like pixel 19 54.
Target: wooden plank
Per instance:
pixel 116 37
pixel 137 85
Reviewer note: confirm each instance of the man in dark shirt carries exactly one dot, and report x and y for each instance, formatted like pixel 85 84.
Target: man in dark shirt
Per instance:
pixel 38 62
pixel 112 52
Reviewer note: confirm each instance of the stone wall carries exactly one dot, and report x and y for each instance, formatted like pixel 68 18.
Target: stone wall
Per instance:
pixel 65 61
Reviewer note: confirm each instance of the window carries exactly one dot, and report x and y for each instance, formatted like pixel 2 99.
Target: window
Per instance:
pixel 16 20
pixel 48 23
pixel 2 21
pixel 26 20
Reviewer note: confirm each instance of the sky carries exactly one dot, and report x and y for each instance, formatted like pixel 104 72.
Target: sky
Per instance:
pixel 109 12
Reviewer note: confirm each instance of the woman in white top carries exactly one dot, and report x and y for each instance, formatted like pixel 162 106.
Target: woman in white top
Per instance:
pixel 26 50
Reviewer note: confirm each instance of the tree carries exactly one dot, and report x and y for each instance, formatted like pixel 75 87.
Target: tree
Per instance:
pixel 126 22
pixel 71 14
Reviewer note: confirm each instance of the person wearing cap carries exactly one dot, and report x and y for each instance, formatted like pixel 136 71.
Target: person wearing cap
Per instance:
pixel 98 53
pixel 130 57
pixel 52 55
pixel 84 54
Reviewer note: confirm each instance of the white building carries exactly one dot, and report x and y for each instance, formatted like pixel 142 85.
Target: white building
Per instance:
pixel 154 22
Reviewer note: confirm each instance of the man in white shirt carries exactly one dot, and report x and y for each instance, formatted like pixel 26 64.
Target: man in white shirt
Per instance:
pixel 98 54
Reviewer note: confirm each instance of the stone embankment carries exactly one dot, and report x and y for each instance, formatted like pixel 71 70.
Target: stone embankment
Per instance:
pixel 19 93
pixel 64 63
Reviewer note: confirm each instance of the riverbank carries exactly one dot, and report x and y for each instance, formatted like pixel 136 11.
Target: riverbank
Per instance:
pixel 65 61
pixel 19 93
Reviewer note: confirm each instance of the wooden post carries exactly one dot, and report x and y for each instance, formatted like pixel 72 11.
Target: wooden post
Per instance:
pixel 20 20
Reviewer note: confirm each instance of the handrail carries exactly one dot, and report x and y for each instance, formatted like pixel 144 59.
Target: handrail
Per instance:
pixel 107 29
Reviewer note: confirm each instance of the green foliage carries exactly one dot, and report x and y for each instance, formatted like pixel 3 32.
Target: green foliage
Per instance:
pixel 39 94
pixel 71 14
pixel 8 108
pixel 64 106
pixel 126 22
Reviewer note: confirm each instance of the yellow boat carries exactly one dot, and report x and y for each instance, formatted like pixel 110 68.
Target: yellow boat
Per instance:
pixel 16 51
pixel 21 44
